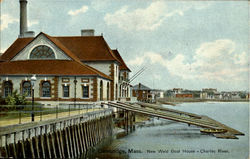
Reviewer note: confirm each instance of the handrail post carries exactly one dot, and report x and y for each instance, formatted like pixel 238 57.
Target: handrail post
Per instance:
pixel 20 116
pixel 41 113
pixel 56 111
pixel 69 109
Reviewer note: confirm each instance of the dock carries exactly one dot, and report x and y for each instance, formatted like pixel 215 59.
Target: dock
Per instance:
pixel 178 116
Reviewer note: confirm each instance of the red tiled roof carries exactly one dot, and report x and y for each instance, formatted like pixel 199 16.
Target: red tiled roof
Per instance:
pixel 123 66
pixel 16 47
pixel 47 67
pixel 80 48
pixel 89 48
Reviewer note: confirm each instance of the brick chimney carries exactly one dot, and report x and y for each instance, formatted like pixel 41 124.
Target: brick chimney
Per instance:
pixel 24 21
pixel 88 32
pixel 23 18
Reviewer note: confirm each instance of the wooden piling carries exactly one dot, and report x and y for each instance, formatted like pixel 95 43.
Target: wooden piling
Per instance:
pixel 70 143
pixel 92 132
pixel 61 143
pixel 67 144
pixel 36 147
pixel 48 149
pixel 31 148
pixel 22 149
pixel 4 152
pixel 78 128
pixel 76 140
pixel 84 139
pixel 12 151
pixel 58 144
pixel 89 134
pixel 52 142
pixel 41 143
pixel 73 140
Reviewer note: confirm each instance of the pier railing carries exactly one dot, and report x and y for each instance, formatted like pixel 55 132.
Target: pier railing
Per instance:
pixel 18 114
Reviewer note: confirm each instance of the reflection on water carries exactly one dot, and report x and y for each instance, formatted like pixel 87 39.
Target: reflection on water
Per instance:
pixel 167 139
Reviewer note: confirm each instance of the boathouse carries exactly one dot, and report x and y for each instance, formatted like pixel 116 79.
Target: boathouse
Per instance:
pixel 67 68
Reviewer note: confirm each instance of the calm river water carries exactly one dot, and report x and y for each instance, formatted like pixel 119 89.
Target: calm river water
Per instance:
pixel 167 139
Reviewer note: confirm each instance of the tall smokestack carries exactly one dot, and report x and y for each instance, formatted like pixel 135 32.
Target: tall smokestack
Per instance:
pixel 23 18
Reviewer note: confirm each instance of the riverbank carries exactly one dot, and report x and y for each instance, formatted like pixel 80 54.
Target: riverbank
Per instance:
pixel 174 101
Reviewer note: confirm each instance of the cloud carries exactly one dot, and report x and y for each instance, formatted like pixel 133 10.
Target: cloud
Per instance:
pixel 78 11
pixel 100 5
pixel 157 76
pixel 217 60
pixel 33 22
pixel 6 20
pixel 241 59
pixel 148 18
pixel 139 19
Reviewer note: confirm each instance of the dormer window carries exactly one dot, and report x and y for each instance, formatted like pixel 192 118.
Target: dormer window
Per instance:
pixel 42 52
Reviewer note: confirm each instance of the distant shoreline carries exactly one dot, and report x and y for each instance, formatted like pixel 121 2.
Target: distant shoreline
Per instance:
pixel 174 101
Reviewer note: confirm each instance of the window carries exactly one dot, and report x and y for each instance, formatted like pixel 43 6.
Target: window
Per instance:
pixel 101 90
pixel 116 92
pixel 7 88
pixel 42 52
pixel 107 91
pixel 46 89
pixel 85 91
pixel 120 90
pixel 65 91
pixel 127 91
pixel 26 88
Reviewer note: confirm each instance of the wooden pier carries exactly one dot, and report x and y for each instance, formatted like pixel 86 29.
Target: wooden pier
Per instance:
pixel 68 137
pixel 179 116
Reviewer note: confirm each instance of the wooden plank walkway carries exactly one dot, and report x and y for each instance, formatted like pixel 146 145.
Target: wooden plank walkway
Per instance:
pixel 154 106
pixel 179 116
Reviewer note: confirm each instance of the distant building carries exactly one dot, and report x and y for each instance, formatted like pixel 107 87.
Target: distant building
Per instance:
pixel 247 96
pixel 184 95
pixel 169 93
pixel 142 92
pixel 208 93
pixel 236 95
pixel 177 90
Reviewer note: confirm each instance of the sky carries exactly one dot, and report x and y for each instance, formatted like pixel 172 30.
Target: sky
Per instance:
pixel 182 44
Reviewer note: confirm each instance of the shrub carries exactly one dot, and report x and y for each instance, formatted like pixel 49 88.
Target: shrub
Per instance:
pixel 16 99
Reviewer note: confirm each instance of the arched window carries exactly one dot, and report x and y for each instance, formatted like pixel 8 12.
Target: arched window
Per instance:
pixel 42 52
pixel 8 86
pixel 116 91
pixel 46 89
pixel 101 90
pixel 107 91
pixel 26 88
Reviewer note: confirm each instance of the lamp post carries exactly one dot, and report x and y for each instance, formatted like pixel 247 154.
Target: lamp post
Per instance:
pixel 33 80
pixel 75 82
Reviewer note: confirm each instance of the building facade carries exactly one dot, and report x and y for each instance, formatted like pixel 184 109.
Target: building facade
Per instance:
pixel 62 72
pixel 142 93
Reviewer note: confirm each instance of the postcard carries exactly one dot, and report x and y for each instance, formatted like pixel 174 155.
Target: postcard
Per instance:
pixel 124 79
